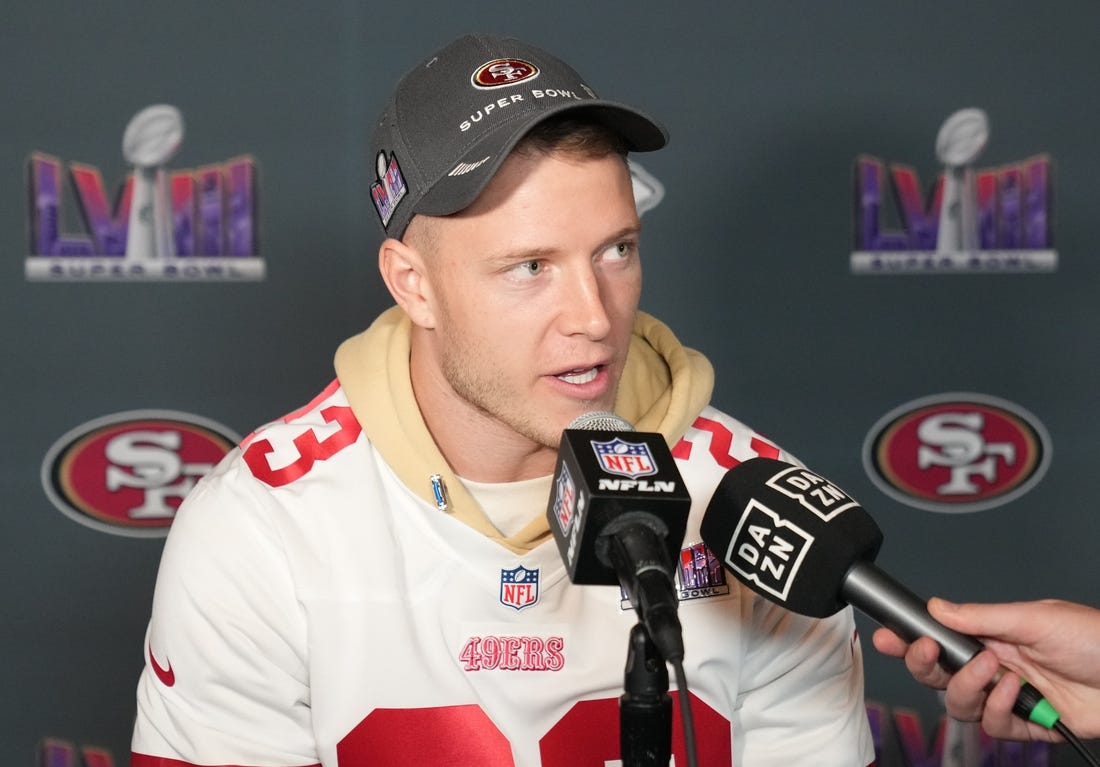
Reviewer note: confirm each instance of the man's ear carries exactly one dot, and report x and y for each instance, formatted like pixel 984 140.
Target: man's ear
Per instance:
pixel 404 272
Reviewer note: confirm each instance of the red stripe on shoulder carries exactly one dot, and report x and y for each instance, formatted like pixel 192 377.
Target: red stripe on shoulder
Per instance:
pixel 328 392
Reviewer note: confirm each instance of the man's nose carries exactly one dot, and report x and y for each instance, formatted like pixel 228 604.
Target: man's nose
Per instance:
pixel 583 309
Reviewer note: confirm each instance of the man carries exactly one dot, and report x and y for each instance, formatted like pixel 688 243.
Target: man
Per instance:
pixel 342 589
pixel 1053 644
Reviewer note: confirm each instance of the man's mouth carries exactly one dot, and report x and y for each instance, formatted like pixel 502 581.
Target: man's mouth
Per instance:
pixel 579 376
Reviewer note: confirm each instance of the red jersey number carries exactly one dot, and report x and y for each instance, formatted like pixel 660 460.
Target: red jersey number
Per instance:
pixel 721 444
pixel 455 736
pixel 310 449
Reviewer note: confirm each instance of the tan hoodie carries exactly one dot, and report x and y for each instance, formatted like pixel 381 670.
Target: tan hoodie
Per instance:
pixel 664 386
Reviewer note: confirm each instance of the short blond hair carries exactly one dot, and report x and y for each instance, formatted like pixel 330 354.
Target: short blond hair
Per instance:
pixel 574 133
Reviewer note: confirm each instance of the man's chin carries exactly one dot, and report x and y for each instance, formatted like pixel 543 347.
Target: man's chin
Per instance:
pixel 589 407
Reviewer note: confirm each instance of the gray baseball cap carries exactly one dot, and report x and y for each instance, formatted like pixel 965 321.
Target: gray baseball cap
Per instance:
pixel 453 119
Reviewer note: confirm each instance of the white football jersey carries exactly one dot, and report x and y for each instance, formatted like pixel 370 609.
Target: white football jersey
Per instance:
pixel 312 609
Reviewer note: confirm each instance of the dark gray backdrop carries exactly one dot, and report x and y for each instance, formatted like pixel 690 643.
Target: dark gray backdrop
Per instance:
pixel 747 258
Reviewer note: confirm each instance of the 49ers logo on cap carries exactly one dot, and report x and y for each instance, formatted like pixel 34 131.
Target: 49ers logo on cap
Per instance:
pixel 956 452
pixel 127 473
pixel 504 72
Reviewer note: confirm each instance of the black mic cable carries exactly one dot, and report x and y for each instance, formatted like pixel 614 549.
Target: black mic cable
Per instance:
pixel 686 717
pixel 1075 742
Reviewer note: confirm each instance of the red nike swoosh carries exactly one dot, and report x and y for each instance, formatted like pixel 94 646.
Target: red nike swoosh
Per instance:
pixel 166 675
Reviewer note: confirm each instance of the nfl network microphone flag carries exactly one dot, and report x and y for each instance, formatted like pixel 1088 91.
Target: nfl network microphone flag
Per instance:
pixel 602 475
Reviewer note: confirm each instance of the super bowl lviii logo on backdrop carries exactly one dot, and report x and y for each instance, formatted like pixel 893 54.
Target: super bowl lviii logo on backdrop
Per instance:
pixel 993 219
pixel 195 224
pixel 127 473
pixel 957 452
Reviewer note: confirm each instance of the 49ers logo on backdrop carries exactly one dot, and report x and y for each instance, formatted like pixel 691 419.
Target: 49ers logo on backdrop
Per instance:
pixel 127 473
pixel 957 452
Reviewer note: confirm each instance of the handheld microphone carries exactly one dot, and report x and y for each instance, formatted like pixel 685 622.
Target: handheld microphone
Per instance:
pixel 618 512
pixel 800 541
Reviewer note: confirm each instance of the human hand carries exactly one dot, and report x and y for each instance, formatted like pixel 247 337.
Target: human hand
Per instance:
pixel 1054 645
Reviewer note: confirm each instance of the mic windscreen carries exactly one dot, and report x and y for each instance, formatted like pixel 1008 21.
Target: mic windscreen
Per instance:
pixel 788 534
pixel 600 420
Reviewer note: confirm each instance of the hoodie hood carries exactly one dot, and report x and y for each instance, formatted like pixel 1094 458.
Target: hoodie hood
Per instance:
pixel 664 386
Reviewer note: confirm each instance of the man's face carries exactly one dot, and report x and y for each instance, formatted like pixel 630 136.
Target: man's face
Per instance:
pixel 534 291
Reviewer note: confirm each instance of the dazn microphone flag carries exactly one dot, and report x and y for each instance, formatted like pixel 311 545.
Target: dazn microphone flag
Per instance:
pixel 788 534
pixel 800 541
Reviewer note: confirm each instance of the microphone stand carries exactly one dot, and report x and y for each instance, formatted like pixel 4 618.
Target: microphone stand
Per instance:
pixel 645 708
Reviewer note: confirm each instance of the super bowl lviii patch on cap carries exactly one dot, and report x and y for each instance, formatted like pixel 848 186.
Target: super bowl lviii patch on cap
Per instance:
pixel 388 188
pixel 452 120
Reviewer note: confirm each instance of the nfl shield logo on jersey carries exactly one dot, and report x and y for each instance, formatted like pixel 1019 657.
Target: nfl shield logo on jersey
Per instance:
pixel 627 459
pixel 519 587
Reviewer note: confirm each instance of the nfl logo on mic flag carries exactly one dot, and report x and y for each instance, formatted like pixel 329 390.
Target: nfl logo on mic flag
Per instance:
pixel 565 493
pixel 627 459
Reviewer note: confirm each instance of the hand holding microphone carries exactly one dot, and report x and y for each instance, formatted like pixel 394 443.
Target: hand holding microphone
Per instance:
pixel 801 542
pixel 1054 643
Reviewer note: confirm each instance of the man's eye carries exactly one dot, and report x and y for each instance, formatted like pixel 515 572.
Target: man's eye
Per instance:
pixel 529 268
pixel 620 250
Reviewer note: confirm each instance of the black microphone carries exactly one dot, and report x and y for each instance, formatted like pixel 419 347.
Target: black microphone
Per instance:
pixel 800 541
pixel 618 512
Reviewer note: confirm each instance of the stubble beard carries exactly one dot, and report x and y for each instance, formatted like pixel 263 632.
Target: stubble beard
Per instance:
pixel 491 399
pixel 498 402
